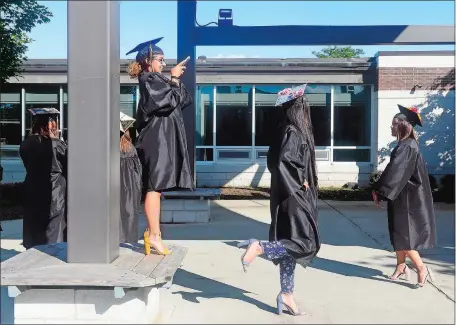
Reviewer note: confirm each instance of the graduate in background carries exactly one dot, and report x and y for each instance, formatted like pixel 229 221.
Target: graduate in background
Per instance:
pixel 44 156
pixel 405 185
pixel 162 142
pixel 130 183
pixel 293 233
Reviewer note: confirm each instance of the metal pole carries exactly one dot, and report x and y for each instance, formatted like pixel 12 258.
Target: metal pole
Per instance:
pixel 186 15
pixel 93 118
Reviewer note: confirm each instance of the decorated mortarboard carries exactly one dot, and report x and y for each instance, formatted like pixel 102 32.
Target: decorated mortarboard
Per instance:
pixel 410 114
pixel 44 111
pixel 125 122
pixel 143 49
pixel 289 94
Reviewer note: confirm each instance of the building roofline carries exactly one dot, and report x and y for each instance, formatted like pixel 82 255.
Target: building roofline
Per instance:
pixel 415 53
pixel 208 65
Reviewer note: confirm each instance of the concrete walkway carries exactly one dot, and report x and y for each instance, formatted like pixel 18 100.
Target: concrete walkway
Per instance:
pixel 346 283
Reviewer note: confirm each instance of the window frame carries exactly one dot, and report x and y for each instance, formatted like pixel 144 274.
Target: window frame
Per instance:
pixel 254 149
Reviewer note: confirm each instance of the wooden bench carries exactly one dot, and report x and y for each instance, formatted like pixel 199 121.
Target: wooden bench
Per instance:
pixel 126 287
pixel 188 206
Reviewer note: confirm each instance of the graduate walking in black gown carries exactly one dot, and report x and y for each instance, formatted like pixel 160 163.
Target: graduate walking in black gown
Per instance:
pixel 162 142
pixel 130 183
pixel 293 233
pixel 405 185
pixel 44 156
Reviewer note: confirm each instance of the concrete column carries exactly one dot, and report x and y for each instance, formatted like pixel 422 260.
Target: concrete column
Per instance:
pixel 93 118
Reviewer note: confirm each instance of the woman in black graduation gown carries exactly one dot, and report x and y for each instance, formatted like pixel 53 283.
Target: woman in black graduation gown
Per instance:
pixel 130 185
pixel 162 142
pixel 405 185
pixel 293 233
pixel 45 160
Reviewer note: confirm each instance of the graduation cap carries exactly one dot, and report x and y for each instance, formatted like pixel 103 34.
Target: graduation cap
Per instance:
pixel 145 49
pixel 125 122
pixel 409 114
pixel 289 94
pixel 44 111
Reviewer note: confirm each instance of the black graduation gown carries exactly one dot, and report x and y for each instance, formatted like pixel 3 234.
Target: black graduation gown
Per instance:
pixel 130 195
pixel 293 209
pixel 162 142
pixel 45 162
pixel 405 184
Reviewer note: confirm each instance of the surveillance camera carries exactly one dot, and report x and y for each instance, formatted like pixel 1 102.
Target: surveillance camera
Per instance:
pixel 418 86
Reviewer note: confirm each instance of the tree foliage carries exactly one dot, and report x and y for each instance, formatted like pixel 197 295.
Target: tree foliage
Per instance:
pixel 18 17
pixel 339 52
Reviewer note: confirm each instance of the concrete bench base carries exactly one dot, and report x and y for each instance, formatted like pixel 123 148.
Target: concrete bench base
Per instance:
pixel 188 207
pixel 48 290
pixel 86 306
pixel 185 211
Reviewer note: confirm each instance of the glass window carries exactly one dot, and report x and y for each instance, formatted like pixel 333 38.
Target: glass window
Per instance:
pixel 37 97
pixel 65 112
pixel 352 115
pixel 319 98
pixel 267 115
pixel 128 100
pixel 234 116
pixel 10 115
pixel 346 155
pixel 204 116
pixel 204 154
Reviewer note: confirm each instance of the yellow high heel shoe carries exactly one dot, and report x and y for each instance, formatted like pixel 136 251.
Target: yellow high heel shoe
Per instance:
pixel 148 245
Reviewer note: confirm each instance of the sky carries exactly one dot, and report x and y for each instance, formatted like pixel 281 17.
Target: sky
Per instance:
pixel 50 40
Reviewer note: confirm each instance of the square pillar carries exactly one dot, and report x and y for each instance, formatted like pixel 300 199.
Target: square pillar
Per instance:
pixel 93 126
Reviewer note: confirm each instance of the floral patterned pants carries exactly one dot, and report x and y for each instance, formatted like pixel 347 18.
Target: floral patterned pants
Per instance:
pixel 276 251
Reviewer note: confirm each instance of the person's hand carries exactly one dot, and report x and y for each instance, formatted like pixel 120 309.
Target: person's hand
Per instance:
pixel 376 200
pixel 306 185
pixel 178 70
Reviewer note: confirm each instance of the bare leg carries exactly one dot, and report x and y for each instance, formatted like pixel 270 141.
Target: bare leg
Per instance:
pixel 401 267
pixel 421 268
pixel 254 251
pixel 152 209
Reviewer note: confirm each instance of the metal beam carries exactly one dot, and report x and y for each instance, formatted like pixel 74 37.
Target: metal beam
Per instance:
pixel 324 35
pixel 93 139
pixel 186 13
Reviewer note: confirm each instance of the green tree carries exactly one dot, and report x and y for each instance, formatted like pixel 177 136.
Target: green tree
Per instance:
pixel 339 52
pixel 18 17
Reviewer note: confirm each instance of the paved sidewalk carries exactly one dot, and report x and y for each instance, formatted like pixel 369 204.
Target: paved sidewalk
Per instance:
pixel 346 283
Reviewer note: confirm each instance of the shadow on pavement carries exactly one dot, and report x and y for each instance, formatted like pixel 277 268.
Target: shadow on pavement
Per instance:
pixel 208 288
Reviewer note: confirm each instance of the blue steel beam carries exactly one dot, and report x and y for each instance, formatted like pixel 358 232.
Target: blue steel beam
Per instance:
pixel 324 35
pixel 186 13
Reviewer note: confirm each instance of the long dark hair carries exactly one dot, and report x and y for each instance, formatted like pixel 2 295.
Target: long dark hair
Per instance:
pixel 297 113
pixel 41 126
pixel 404 129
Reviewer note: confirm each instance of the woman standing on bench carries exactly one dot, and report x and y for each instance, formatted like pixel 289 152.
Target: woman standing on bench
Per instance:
pixel 162 143
pixel 293 234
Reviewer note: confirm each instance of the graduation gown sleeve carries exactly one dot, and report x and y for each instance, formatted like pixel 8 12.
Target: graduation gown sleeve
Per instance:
pixel 165 96
pixel 398 172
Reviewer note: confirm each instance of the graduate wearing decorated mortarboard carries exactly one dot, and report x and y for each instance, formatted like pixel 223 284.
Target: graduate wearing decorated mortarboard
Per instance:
pixel 293 233
pixel 44 156
pixel 405 185
pixel 162 142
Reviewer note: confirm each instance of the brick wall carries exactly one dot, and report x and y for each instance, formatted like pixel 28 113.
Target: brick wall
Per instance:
pixel 390 78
